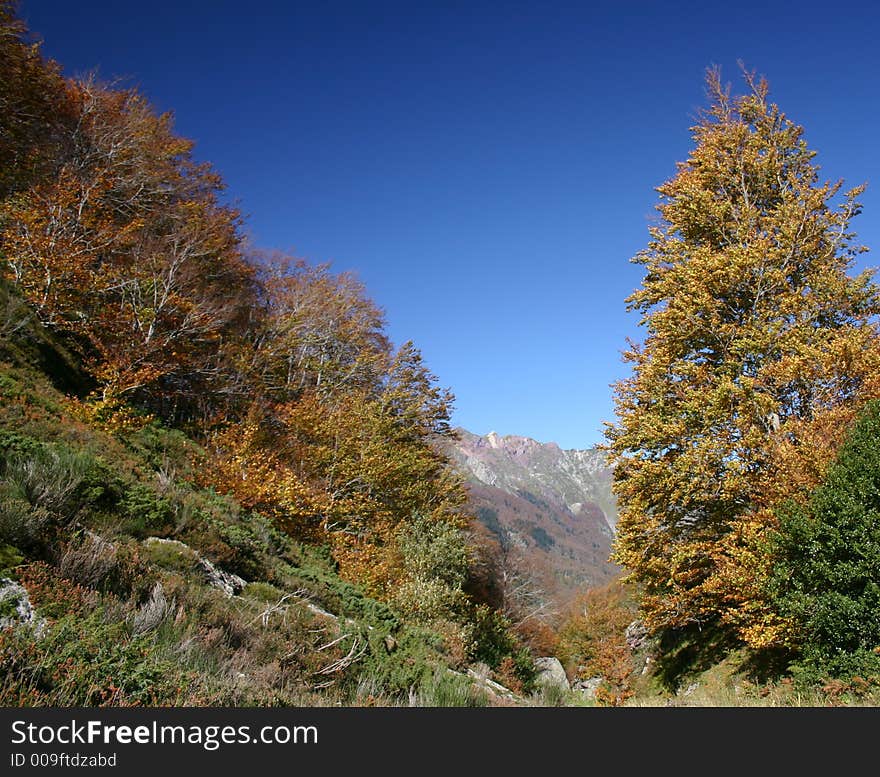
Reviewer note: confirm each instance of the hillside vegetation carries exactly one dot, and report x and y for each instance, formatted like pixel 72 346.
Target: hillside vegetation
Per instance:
pixel 219 480
pixel 222 484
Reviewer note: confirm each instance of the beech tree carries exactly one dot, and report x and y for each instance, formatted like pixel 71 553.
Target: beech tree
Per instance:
pixel 126 250
pixel 32 105
pixel 756 335
pixel 320 331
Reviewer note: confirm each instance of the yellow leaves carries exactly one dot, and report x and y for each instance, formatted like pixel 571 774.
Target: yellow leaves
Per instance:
pixel 124 248
pixel 242 462
pixel 759 348
pixel 340 471
pixel 108 412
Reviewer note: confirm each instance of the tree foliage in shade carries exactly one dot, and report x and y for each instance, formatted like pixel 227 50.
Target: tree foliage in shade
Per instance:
pixel 826 579
pixel 31 106
pixel 757 338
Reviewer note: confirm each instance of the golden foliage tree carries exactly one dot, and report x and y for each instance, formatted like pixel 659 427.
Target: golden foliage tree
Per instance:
pixel 756 337
pixel 126 250
pixel 592 640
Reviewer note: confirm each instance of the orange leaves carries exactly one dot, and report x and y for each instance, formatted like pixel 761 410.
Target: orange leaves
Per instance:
pixel 32 106
pixel 593 640
pixel 244 462
pixel 759 348
pixel 125 249
pixel 118 240
pixel 339 469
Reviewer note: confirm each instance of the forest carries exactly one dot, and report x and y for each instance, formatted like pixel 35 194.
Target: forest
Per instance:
pixel 221 483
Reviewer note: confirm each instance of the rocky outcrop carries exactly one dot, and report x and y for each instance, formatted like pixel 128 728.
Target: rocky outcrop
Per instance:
pixel 548 512
pixel 480 674
pixel 572 479
pixel 227 582
pixel 636 635
pixel 16 608
pixel 588 687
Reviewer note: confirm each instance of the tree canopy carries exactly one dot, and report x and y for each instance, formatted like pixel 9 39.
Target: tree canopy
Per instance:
pixel 759 345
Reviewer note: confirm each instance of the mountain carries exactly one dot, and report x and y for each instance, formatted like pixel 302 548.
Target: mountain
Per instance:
pixel 549 511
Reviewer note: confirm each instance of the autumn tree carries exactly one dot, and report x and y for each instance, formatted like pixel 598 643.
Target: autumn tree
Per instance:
pixel 126 250
pixel 32 106
pixel 756 336
pixel 319 331
pixel 374 453
pixel 593 640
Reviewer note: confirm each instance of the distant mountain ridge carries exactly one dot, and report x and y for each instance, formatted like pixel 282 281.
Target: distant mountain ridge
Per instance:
pixel 553 507
pixel 573 478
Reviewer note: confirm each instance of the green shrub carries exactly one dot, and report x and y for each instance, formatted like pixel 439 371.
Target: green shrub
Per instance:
pixel 435 559
pixel 81 661
pixel 10 557
pixel 827 579
pixel 496 645
pixel 145 512
pixel 171 555
pixel 263 592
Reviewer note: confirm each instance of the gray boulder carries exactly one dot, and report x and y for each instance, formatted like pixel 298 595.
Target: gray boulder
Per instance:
pixel 588 687
pixel 227 582
pixel 16 608
pixel 550 672
pixel 636 635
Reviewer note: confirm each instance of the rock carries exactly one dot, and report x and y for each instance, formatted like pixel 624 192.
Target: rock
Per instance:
pixel 227 582
pixel 495 689
pixel 390 643
pixel 16 608
pixel 314 608
pixel 550 672
pixel 588 687
pixel 480 670
pixel 636 635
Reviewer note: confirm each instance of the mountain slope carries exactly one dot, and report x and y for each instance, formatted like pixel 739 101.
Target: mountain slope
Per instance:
pixel 551 511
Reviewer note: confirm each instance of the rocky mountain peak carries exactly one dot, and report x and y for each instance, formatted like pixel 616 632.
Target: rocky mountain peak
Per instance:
pixel 550 507
pixel 517 464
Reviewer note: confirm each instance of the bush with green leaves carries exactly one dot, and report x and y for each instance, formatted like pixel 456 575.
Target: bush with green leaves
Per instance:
pixel 435 561
pixel 827 579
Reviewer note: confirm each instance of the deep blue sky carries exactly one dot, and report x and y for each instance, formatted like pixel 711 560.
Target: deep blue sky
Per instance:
pixel 487 169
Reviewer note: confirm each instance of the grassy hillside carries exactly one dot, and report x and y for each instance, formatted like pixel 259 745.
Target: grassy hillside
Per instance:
pixel 103 524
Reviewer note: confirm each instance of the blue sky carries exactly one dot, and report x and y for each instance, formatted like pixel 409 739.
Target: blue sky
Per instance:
pixel 487 169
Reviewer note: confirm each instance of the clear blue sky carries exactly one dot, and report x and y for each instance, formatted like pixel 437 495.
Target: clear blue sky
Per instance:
pixel 487 169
